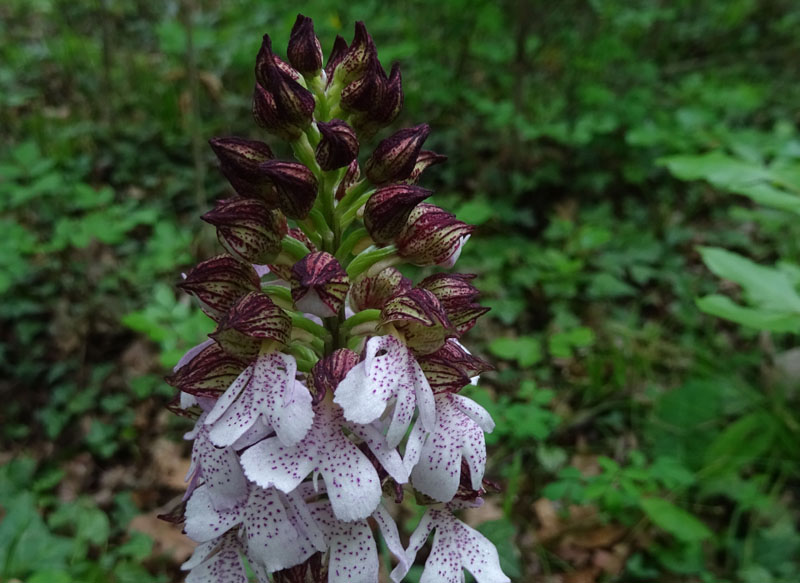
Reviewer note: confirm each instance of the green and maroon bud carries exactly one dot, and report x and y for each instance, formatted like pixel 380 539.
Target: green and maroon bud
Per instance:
pixel 366 91
pixel 432 236
pixel 373 292
pixel 218 283
pixel 425 160
pixel 239 161
pixel 457 296
pixel 280 102
pixel 387 211
pixel 395 157
pixel 335 57
pixel 248 229
pixel 208 374
pixel 304 51
pixel 351 176
pixel 295 186
pixel 338 145
pixel 391 103
pixel 319 284
pixel 252 320
pixel 284 269
pixel 419 317
pixel 451 367
pixel 356 60
pixel 329 372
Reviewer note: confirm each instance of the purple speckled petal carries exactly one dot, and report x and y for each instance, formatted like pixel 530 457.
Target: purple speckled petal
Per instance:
pixel 438 471
pixel 456 546
pixel 390 535
pixel 388 371
pixel 418 538
pixel 387 456
pixel 475 412
pixel 216 561
pixel 192 352
pixel 218 467
pixel 272 535
pixel 268 390
pixel 414 446
pixel 352 483
pixel 204 522
pixel 353 555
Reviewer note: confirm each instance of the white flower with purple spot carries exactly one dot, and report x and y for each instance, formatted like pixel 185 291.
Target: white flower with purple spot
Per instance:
pixel 388 376
pixel 455 547
pixel 352 482
pixel 436 457
pixel 265 391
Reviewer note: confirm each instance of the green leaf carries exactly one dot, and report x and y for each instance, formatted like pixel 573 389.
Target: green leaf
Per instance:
pixel 772 321
pixel 767 287
pixel 676 521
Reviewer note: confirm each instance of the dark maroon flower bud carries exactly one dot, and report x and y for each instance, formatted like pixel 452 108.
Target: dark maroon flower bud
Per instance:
pixel 457 296
pixel 355 61
pixel 366 91
pixel 319 284
pixel 391 103
pixel 395 157
pixel 329 372
pixel 351 176
pixel 432 236
pixel 304 52
pixel 387 211
pixel 373 292
pixel 280 103
pixel 253 319
pixel 425 160
pixel 239 162
pixel 419 317
pixel 338 52
pixel 268 64
pixel 295 186
pixel 208 374
pixel 248 229
pixel 218 283
pixel 338 145
pixel 451 367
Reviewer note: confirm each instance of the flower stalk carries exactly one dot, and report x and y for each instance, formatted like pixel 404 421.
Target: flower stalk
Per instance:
pixel 331 379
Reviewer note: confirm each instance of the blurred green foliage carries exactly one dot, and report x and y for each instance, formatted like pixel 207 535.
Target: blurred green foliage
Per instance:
pixel 628 164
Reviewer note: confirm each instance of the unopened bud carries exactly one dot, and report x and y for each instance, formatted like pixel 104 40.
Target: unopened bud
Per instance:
pixel 335 57
pixel 419 317
pixel 304 52
pixel 387 211
pixel 395 157
pixel 355 61
pixel 338 145
pixel 208 374
pixel 425 160
pixel 218 283
pixel 457 296
pixel 319 284
pixel 432 236
pixel 253 319
pixel 373 292
pixel 248 229
pixel 451 367
pixel 295 186
pixel 351 176
pixel 239 162
pixel 366 91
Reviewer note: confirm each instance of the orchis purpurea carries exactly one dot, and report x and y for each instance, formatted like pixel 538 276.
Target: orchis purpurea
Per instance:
pixel 330 387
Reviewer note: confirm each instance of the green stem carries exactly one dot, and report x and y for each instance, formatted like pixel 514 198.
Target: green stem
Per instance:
pixel 353 193
pixel 346 247
pixel 295 248
pixel 369 257
pixel 300 321
pixel 361 317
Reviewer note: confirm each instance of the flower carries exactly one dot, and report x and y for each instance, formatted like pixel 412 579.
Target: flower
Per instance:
pixel 352 481
pixel 435 459
pixel 388 373
pixel 456 546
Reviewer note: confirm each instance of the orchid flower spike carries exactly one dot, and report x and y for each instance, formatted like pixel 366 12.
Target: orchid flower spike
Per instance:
pixel 330 387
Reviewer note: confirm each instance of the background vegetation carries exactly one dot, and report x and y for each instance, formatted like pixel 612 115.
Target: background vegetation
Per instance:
pixel 622 159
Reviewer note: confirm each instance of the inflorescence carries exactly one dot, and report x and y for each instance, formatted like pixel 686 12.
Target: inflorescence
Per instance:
pixel 330 387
